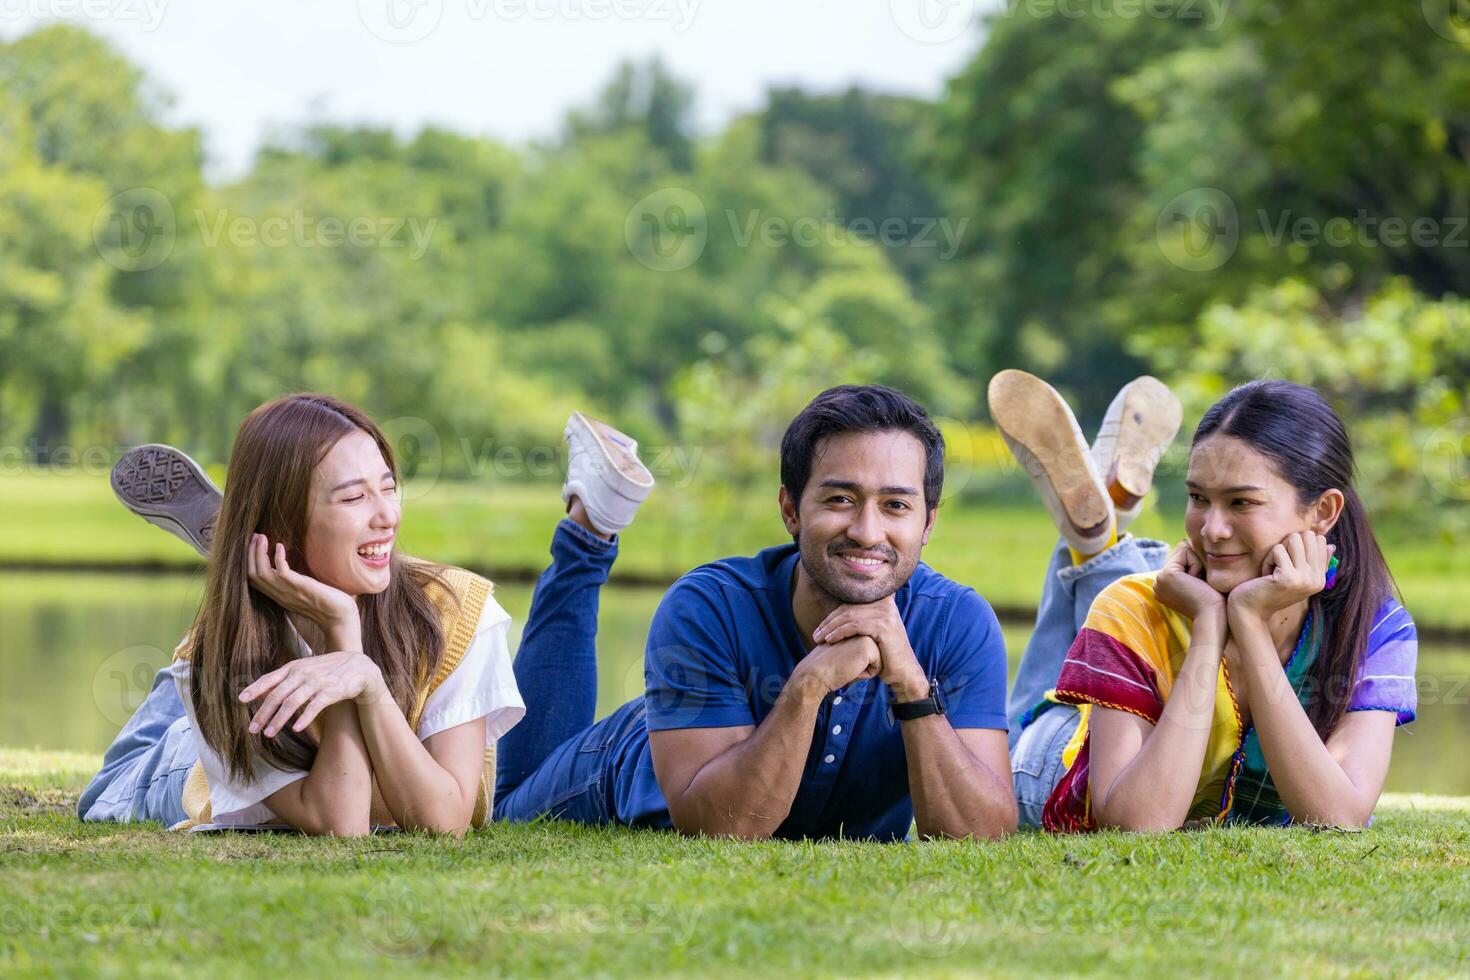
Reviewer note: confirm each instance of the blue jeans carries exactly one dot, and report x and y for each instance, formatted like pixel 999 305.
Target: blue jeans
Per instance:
pixel 556 762
pixel 143 772
pixel 1040 729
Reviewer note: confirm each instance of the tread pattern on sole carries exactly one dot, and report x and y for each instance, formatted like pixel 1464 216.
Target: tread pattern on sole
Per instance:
pixel 152 476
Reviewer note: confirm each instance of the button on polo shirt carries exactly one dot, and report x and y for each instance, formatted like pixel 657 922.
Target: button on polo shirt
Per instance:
pixel 722 645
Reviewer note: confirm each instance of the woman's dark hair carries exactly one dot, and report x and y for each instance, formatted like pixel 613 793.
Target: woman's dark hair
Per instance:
pixel 1304 438
pixel 859 408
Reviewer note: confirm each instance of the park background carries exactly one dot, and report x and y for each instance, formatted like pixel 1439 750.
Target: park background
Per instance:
pixel 1208 192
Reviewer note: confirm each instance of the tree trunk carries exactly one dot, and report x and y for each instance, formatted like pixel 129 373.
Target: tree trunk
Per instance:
pixel 53 423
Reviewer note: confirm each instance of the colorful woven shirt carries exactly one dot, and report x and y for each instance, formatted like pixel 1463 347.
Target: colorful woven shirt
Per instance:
pixel 1127 656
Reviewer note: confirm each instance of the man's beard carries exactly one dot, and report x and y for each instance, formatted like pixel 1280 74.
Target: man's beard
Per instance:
pixel 819 561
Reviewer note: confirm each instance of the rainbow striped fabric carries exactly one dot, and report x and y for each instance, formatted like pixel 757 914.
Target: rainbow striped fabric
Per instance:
pixel 1127 656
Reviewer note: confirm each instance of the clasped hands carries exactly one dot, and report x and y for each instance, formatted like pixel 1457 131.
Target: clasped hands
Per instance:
pixel 856 642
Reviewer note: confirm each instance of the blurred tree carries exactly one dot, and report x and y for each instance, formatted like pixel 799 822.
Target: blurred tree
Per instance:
pixel 94 187
pixel 1043 152
pixel 860 145
pixel 646 99
pixel 1397 369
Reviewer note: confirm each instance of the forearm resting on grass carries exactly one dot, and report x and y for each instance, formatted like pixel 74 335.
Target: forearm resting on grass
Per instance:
pixel 1144 776
pixel 954 779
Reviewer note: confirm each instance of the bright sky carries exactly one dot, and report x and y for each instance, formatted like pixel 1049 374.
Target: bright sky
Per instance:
pixel 505 68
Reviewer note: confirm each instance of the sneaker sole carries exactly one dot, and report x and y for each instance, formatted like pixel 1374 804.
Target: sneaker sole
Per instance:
pixel 168 490
pixel 1037 420
pixel 1149 421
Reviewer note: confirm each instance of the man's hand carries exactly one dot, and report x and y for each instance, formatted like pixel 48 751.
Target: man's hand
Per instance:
pixel 833 665
pixel 880 621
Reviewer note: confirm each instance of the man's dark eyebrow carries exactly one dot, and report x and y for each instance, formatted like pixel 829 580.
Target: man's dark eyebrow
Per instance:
pixel 892 491
pixel 1244 489
pixel 387 475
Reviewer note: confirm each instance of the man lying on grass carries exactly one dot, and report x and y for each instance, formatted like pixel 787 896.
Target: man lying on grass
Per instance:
pixel 833 687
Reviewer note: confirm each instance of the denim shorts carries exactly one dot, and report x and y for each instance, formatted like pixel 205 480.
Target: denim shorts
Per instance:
pixel 1036 762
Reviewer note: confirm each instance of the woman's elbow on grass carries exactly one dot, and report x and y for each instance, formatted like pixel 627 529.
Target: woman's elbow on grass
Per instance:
pixel 335 825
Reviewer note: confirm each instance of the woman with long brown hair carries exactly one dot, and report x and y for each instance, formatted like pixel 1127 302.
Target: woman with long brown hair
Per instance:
pixel 330 682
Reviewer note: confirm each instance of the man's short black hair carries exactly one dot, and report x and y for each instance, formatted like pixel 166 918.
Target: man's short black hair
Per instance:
pixel 859 408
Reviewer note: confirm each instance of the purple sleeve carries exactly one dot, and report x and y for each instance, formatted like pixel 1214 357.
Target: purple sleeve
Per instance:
pixel 1386 681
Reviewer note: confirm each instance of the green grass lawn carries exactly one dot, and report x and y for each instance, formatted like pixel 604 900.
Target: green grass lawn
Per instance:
pixel 558 899
pixel 1000 549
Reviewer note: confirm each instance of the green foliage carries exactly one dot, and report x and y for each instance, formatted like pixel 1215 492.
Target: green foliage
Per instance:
pixel 1398 369
pixel 1074 164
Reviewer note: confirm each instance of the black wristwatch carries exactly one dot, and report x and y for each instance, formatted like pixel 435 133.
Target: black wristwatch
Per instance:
pixel 922 708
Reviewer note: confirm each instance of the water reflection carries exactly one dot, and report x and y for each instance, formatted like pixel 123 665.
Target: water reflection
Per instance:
pixel 78 652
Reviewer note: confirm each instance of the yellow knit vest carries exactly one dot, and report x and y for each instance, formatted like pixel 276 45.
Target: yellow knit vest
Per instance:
pixel 459 609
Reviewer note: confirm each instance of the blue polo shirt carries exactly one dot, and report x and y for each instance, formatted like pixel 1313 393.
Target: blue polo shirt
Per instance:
pixel 724 642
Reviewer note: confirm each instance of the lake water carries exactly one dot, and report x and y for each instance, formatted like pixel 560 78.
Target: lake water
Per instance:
pixel 78 652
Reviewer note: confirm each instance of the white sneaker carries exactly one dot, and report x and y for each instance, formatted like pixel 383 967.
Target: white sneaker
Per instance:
pixel 1044 437
pixel 1137 430
pixel 603 471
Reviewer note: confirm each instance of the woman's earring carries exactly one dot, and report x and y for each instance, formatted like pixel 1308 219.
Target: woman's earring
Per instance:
pixel 1331 573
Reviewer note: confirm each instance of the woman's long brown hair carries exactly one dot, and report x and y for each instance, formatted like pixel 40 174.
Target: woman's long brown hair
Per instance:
pixel 241 634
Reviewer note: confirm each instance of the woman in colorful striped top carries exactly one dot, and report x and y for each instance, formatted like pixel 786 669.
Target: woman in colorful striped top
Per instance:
pixel 1256 672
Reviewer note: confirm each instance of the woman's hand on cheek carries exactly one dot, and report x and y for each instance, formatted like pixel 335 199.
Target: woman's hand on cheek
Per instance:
pixel 1181 585
pixel 330 609
pixel 1295 570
